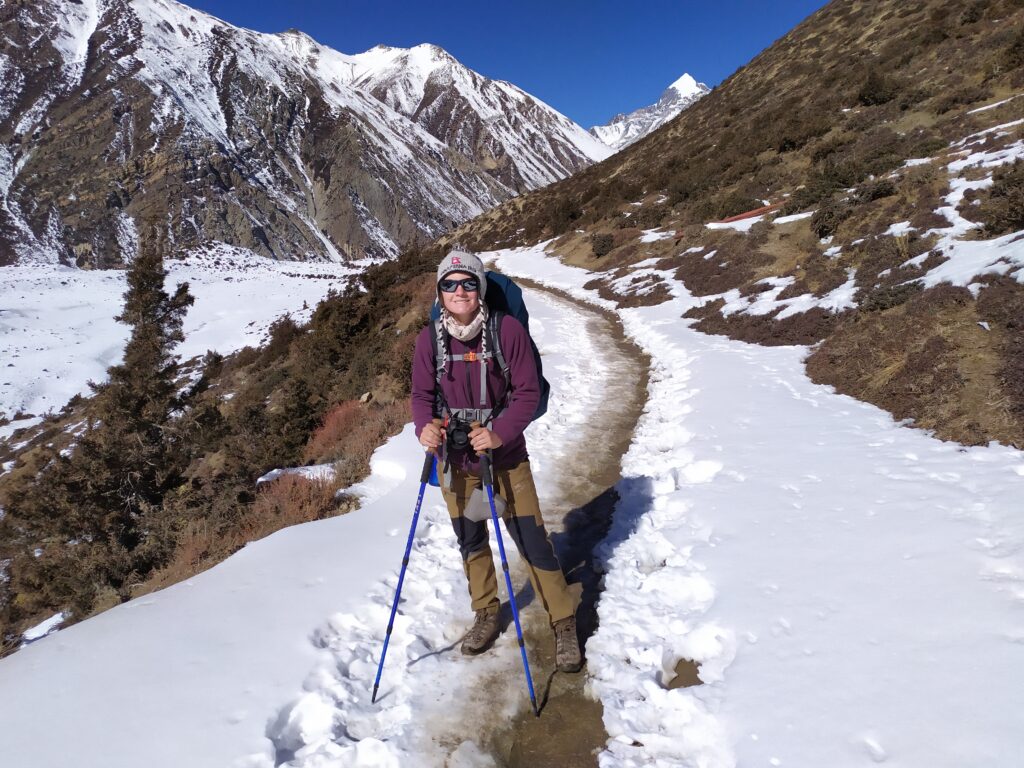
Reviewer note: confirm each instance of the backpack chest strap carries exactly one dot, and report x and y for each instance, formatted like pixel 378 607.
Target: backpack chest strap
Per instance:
pixel 492 327
pixel 472 357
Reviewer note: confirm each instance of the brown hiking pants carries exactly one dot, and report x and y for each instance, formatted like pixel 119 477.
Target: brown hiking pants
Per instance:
pixel 525 526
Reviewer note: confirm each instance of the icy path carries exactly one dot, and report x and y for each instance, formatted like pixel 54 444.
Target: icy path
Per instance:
pixel 269 657
pixel 853 589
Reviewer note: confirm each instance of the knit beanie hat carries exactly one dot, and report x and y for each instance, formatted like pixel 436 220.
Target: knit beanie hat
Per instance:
pixel 463 261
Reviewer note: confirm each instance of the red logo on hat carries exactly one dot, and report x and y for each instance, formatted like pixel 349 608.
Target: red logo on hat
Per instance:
pixel 456 260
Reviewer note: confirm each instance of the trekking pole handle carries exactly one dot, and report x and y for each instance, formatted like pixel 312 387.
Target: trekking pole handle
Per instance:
pixel 485 469
pixel 428 465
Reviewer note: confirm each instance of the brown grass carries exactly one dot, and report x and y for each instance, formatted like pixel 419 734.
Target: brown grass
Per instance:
pixel 927 359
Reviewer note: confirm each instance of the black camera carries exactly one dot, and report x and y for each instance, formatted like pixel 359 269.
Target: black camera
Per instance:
pixel 458 434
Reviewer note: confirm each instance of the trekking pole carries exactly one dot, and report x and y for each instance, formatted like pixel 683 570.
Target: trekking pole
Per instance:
pixel 428 466
pixel 485 476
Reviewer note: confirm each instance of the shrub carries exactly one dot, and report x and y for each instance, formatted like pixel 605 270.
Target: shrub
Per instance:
pixel 733 203
pixel 1012 56
pixel 973 13
pixel 563 213
pixel 876 89
pixel 889 296
pixel 1003 211
pixel 875 189
pixel 968 94
pixel 829 216
pixel 794 125
pixel 324 443
pixel 282 333
pixel 288 500
pixel 351 432
pixel 601 244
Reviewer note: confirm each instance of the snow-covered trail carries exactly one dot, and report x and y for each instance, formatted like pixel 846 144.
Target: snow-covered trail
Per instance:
pixel 269 658
pixel 432 697
pixel 852 589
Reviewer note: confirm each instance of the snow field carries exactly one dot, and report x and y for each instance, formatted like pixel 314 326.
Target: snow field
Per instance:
pixel 57 327
pixel 851 588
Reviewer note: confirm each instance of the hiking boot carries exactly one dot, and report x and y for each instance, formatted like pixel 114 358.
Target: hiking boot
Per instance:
pixel 483 632
pixel 567 646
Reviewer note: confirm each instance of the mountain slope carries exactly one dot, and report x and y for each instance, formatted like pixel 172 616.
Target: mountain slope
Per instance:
pixel 625 129
pixel 125 109
pixel 886 140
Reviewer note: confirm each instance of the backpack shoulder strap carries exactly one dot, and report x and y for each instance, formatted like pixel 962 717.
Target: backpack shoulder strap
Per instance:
pixel 494 343
pixel 436 342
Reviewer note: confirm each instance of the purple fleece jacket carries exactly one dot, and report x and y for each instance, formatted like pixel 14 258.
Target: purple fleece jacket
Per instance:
pixel 461 387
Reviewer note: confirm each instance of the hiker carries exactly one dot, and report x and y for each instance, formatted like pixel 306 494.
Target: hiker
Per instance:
pixel 496 414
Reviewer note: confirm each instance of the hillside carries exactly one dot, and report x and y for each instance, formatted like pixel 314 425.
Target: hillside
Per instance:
pixel 885 136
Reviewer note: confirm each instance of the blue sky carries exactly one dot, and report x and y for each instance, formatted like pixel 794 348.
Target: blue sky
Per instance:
pixel 589 60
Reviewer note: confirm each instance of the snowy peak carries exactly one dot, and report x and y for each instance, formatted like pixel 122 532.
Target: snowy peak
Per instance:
pixel 624 129
pixel 525 142
pixel 686 87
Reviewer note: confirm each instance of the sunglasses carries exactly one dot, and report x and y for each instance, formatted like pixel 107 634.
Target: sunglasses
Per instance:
pixel 469 285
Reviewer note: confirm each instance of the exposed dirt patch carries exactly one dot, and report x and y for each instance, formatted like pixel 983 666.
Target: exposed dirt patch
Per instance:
pixel 802 328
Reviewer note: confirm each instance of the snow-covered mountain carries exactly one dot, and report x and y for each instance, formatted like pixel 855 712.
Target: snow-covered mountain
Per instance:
pixel 116 111
pixel 519 139
pixel 623 130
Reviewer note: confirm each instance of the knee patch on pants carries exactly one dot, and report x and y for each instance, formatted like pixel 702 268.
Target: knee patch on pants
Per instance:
pixel 532 540
pixel 472 536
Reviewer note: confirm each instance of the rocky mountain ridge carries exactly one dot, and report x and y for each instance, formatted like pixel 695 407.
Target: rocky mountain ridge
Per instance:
pixel 625 129
pixel 117 112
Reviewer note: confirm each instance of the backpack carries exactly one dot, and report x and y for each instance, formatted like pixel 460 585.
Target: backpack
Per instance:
pixel 504 297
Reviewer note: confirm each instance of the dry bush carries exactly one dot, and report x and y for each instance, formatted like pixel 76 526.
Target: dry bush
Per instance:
pixel 829 216
pixel 964 96
pixel 351 432
pixel 1003 210
pixel 732 265
pixel 601 243
pixel 876 89
pixel 324 444
pixel 288 500
pixel 1001 303
pixel 802 328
